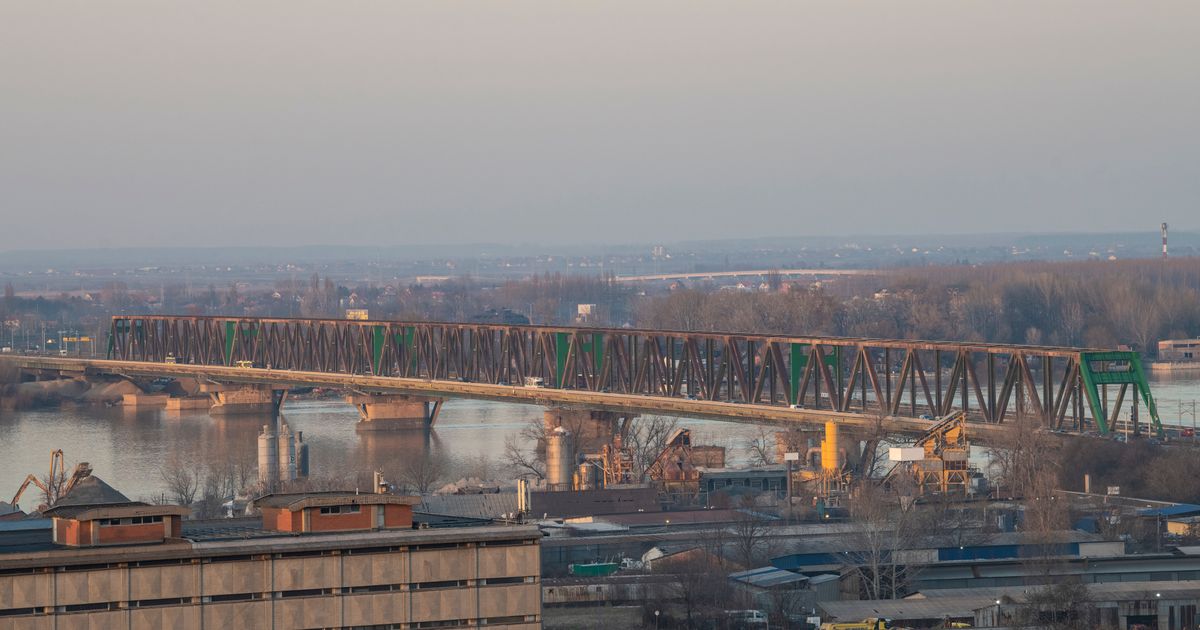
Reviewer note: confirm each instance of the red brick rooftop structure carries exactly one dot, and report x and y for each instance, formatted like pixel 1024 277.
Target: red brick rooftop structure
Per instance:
pixel 132 523
pixel 312 512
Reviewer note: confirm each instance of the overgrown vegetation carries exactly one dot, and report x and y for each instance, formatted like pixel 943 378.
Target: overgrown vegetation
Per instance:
pixel 1094 304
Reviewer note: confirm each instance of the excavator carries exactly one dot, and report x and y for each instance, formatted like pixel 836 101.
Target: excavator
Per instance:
pixel 55 486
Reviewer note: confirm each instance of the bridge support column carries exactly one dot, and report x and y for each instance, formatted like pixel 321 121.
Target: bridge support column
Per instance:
pixel 394 412
pixel 243 399
pixel 182 403
pixel 143 400
pixel 593 428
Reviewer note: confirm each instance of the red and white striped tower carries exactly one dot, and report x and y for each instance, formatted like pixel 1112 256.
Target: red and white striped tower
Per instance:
pixel 1164 233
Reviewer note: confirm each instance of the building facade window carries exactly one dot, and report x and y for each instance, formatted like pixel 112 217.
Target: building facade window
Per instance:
pixel 341 509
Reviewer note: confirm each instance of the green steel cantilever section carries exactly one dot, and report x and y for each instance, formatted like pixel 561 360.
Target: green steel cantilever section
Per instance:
pixel 1118 367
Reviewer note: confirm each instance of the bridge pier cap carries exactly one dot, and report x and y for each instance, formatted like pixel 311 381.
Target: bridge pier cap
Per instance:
pixel 394 412
pixel 244 399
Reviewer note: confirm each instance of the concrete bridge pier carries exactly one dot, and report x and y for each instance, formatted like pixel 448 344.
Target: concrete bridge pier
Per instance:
pixel 395 412
pixel 244 399
pixel 592 429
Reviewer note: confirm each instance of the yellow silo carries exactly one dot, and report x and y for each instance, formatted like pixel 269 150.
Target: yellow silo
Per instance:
pixel 829 449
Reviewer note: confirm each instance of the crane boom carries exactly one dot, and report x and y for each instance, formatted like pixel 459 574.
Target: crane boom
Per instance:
pixel 57 484
pixel 29 479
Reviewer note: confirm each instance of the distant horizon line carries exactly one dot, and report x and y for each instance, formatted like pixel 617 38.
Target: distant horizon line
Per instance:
pixel 592 244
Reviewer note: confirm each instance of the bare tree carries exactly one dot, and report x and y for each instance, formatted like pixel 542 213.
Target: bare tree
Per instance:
pixel 874 460
pixel 217 488
pixel 1022 456
pixel 748 535
pixel 54 485
pixel 887 524
pixel 478 467
pixel 961 522
pixel 421 472
pixel 761 447
pixel 700 587
pixel 245 466
pixel 784 604
pixel 646 440
pixel 1061 606
pixel 523 462
pixel 182 480
pixel 1028 469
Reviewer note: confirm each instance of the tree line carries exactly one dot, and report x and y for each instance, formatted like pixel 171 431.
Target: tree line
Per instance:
pixel 1095 304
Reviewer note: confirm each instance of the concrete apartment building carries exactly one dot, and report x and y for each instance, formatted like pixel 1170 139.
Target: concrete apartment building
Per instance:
pixel 318 560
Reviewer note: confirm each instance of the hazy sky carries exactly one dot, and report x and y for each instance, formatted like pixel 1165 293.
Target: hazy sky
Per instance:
pixel 243 123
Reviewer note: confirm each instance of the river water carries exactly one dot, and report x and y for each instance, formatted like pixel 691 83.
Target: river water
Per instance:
pixel 128 448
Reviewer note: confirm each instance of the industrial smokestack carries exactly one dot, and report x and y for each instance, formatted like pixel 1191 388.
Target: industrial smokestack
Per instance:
pixel 1164 235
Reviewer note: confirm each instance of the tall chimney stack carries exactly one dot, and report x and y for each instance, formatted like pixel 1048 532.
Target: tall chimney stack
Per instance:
pixel 1164 234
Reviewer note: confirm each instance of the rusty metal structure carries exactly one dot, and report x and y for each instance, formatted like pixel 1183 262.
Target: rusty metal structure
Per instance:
pixel 675 470
pixel 944 466
pixel 56 484
pixel 1063 388
pixel 616 462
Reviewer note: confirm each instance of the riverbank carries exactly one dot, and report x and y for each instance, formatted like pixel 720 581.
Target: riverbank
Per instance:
pixel 1175 366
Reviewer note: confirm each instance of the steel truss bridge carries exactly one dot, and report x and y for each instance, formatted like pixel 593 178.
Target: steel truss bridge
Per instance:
pixel 728 376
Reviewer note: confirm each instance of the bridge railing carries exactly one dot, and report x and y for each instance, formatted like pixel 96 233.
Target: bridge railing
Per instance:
pixel 1065 388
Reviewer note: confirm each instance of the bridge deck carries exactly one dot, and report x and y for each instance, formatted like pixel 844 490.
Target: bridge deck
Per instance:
pixel 623 403
pixel 726 376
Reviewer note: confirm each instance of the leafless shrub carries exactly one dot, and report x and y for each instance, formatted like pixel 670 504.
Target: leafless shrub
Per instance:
pixel 182 479
pixel 523 461
pixel 422 472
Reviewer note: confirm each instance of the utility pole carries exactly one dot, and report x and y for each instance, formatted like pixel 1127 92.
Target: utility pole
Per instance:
pixel 1182 412
pixel 788 458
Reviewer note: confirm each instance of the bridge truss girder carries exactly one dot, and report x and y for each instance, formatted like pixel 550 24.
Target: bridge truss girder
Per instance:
pixel 1064 388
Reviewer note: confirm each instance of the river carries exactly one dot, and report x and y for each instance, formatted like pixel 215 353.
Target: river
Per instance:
pixel 129 448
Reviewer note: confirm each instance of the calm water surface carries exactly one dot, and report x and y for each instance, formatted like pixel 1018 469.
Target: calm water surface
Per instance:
pixel 128 448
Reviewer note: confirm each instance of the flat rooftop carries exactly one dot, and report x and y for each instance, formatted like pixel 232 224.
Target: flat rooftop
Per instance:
pixel 962 603
pixel 35 534
pixel 301 500
pixel 240 538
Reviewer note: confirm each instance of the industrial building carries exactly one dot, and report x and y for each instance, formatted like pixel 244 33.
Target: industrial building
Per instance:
pixel 1004 561
pixel 770 479
pixel 1179 350
pixel 326 559
pixel 1163 605
pixel 766 587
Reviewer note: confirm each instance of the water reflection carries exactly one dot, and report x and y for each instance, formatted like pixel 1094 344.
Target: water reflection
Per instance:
pixel 380 449
pixel 128 447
